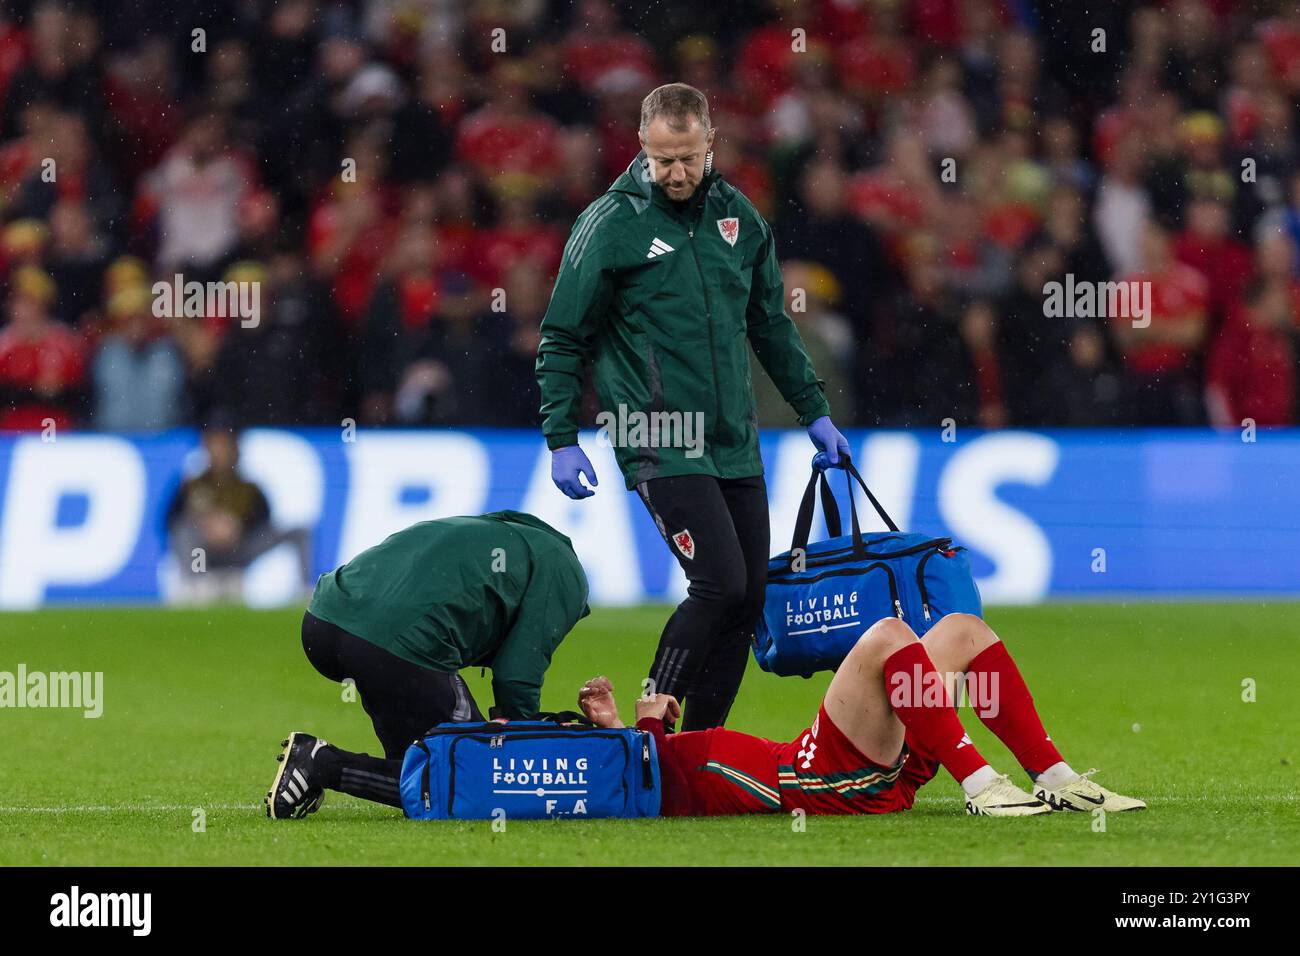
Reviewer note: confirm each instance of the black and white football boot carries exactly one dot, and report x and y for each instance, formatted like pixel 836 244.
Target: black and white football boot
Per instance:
pixel 296 791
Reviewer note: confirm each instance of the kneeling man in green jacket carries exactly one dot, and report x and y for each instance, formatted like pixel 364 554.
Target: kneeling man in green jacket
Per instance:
pixel 400 620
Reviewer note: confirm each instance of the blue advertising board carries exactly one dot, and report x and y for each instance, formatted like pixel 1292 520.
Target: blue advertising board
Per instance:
pixel 1067 514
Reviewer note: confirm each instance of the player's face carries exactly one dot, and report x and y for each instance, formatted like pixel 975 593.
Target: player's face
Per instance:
pixel 677 158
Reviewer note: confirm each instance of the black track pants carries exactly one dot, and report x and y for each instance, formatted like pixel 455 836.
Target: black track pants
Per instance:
pixel 403 699
pixel 717 529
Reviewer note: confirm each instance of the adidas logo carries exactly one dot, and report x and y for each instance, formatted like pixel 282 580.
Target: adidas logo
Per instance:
pixel 658 248
pixel 297 786
pixel 965 741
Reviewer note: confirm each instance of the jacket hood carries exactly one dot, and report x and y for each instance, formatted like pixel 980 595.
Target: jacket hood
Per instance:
pixel 532 521
pixel 528 520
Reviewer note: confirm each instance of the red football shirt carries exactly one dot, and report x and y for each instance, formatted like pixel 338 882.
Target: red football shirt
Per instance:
pixel 55 356
pixel 1177 295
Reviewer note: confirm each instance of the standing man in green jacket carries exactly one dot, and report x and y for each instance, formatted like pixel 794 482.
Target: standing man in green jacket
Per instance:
pixel 401 619
pixel 665 281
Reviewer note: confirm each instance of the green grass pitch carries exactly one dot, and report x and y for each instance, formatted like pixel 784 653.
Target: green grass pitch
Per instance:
pixel 196 701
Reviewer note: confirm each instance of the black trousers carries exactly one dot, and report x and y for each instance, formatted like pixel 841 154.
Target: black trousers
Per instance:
pixel 718 531
pixel 403 699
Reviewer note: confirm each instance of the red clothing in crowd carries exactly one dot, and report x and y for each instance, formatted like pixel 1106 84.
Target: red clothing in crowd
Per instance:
pixel 1225 263
pixel 1010 224
pixel 54 358
pixel 1281 40
pixel 878 65
pixel 1110 127
pixel 494 144
pixel 498 248
pixel 938 21
pixel 880 197
pixel 150 120
pixel 1252 368
pixel 15 47
pixel 354 279
pixel 618 145
pixel 417 298
pixel 763 66
pixel 457 248
pixel 590 60
pixel 1177 294
pixel 844 22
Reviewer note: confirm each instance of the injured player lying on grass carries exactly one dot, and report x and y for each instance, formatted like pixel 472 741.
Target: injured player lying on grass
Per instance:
pixel 876 739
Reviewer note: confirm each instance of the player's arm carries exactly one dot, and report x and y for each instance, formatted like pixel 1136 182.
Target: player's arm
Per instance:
pixel 676 796
pixel 582 293
pixel 776 341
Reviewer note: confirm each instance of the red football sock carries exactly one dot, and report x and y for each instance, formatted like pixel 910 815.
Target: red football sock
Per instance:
pixel 1009 712
pixel 918 696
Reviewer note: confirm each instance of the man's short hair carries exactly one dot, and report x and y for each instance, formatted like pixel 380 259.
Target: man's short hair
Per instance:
pixel 676 103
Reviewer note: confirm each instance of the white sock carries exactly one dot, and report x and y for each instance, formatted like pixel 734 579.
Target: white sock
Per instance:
pixel 1055 775
pixel 980 779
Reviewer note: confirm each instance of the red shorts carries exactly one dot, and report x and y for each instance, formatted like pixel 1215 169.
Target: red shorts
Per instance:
pixel 820 772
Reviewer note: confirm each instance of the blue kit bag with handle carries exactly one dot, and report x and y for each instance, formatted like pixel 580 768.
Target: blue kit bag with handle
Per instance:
pixel 530 770
pixel 822 597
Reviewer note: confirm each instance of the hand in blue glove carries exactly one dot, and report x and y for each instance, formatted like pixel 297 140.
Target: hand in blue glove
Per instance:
pixel 567 464
pixel 828 441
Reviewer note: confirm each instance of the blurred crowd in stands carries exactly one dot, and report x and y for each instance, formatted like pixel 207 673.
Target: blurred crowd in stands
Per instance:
pixel 927 165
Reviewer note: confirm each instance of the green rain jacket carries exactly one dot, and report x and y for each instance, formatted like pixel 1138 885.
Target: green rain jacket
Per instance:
pixel 499 590
pixel 662 298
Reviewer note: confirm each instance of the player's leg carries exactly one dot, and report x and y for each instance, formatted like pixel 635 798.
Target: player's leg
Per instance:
pixel 691 513
pixel 402 699
pixel 964 648
pixel 887 689
pixel 309 766
pixel 720 675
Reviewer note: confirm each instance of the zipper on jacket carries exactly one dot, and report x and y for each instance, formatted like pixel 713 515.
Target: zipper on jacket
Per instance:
pixel 708 316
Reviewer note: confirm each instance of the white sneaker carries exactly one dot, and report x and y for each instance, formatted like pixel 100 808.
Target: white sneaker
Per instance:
pixel 1002 798
pixel 1082 794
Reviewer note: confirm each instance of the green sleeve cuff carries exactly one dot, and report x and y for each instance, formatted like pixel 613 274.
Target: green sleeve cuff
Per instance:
pixel 812 404
pixel 562 440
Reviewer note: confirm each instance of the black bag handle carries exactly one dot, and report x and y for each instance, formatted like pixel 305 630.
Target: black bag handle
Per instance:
pixel 831 510
pixel 563 717
pixel 803 522
pixel 884 516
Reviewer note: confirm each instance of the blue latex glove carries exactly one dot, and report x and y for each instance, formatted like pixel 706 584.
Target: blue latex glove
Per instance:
pixel 567 464
pixel 828 440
